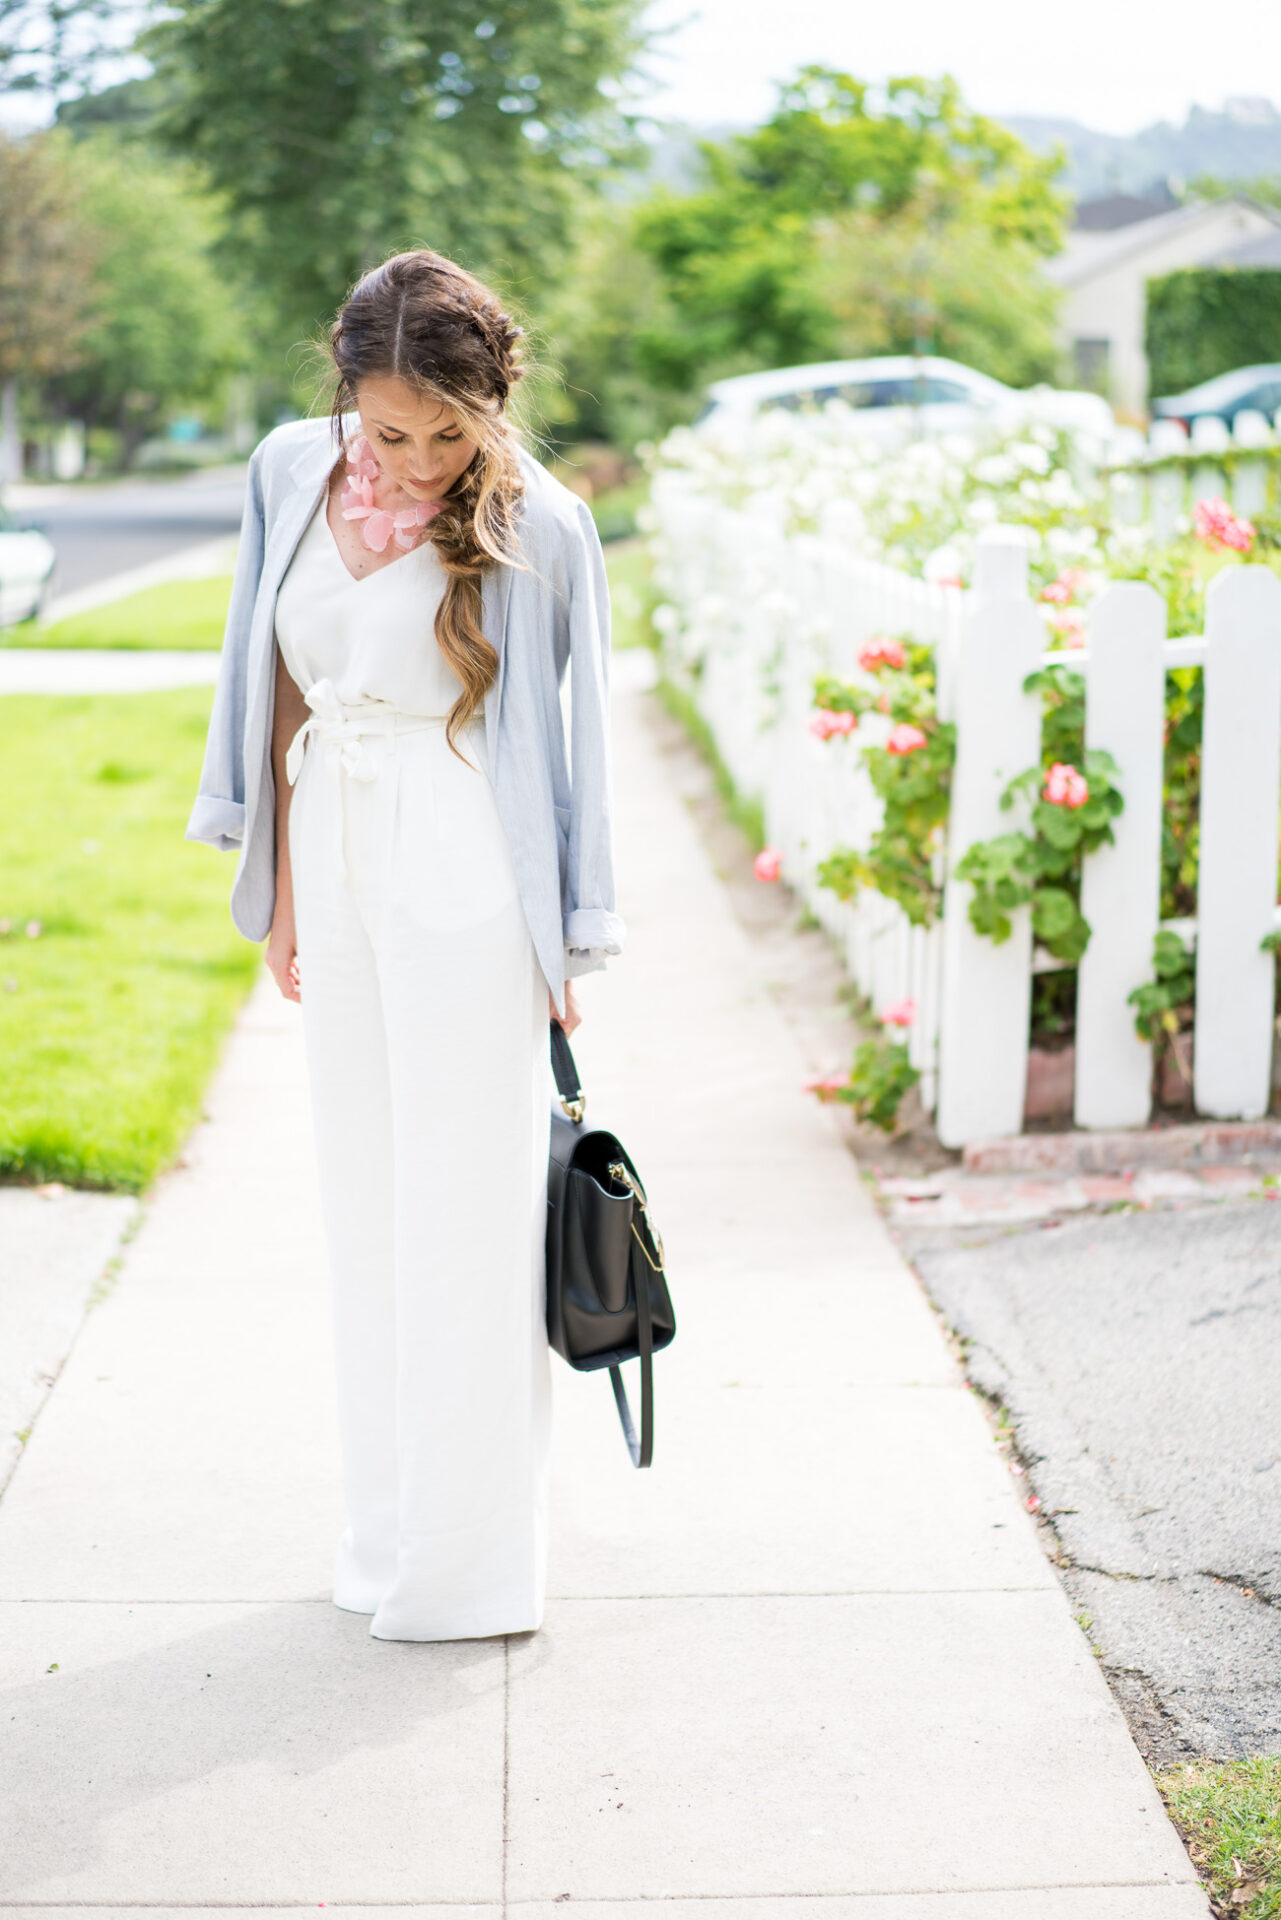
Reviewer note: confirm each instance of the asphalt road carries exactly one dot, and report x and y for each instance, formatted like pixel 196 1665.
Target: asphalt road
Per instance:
pixel 1139 1355
pixel 101 529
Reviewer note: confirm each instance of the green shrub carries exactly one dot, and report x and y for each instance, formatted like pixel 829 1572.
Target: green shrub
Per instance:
pixel 1206 320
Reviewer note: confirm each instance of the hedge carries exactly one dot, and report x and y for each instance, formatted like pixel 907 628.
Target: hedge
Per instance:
pixel 1207 320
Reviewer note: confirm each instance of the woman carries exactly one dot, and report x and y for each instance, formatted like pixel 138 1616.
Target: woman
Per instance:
pixel 388 754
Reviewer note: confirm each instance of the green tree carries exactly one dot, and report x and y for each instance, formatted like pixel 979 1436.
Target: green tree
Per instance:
pixel 164 326
pixel 747 261
pixel 892 284
pixel 338 133
pixel 612 339
pixel 1263 187
pixel 47 255
pixel 48 46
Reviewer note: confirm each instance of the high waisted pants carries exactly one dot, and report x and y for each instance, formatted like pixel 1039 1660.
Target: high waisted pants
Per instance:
pixel 425 1019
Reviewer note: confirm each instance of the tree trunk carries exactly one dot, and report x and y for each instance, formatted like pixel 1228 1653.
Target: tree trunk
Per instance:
pixel 10 438
pixel 132 435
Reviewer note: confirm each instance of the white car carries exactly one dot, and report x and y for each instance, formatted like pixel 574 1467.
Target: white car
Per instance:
pixel 898 397
pixel 26 562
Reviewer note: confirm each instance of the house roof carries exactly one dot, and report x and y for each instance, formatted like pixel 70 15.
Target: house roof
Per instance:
pixel 1087 254
pixel 1263 251
pixel 1114 210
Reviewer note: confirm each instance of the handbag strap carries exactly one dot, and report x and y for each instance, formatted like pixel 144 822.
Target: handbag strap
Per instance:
pixel 642 1450
pixel 572 1098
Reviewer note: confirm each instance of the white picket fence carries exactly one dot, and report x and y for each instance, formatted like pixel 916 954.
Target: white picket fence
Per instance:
pixel 1156 477
pixel 759 613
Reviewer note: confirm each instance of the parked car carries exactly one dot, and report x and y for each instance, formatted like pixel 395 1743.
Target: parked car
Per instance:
pixel 26 562
pixel 1246 390
pixel 899 395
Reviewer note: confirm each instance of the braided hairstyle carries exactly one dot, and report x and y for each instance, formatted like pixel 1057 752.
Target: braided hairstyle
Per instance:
pixel 423 319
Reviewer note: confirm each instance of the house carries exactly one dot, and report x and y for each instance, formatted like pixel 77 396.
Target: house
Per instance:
pixel 1116 247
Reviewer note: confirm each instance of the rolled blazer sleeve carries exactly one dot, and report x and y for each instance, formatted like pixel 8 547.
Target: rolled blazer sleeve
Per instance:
pixel 218 815
pixel 593 931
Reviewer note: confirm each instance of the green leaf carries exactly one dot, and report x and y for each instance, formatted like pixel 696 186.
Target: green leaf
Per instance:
pixel 879 1077
pixel 1169 956
pixel 1005 854
pixel 1059 825
pixel 986 918
pixel 1053 912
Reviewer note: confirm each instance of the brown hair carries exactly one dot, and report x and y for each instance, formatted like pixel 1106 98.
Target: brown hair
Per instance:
pixel 425 320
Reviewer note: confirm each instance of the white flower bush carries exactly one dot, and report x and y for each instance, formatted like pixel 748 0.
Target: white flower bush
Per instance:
pixel 921 505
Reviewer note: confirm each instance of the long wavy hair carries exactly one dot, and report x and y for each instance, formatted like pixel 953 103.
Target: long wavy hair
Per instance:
pixel 425 320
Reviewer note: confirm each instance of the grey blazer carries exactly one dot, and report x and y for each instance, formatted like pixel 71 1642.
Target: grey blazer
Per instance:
pixel 552 614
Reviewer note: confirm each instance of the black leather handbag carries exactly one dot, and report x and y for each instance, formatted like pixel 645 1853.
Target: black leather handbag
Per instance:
pixel 607 1298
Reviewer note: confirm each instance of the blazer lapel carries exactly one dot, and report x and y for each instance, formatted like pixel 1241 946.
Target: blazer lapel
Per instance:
pixel 290 510
pixel 308 472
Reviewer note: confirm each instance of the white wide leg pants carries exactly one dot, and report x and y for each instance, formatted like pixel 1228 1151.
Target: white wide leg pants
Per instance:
pixel 425 1018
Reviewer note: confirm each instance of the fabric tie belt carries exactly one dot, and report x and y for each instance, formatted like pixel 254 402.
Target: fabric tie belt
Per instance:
pixel 346 730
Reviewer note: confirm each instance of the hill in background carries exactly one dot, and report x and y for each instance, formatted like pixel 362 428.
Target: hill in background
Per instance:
pixel 1242 143
pixel 1238 145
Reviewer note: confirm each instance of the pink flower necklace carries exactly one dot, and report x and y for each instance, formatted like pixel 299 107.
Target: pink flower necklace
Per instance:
pixel 380 525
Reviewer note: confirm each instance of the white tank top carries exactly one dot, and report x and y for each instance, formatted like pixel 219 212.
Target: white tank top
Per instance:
pixel 374 638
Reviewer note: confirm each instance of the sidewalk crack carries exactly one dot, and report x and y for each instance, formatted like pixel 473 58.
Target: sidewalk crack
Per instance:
pixel 1244 1583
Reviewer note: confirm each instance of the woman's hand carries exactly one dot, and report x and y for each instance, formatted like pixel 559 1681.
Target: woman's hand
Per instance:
pixel 282 953
pixel 573 1017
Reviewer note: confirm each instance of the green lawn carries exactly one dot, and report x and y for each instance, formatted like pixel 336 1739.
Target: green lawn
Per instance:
pixel 193 613
pixel 1229 1813
pixel 177 613
pixel 120 969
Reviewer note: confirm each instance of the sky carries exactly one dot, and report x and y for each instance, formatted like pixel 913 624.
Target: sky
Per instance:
pixel 1115 65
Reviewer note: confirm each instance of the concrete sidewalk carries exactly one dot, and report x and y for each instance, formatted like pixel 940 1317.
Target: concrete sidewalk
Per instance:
pixel 813 1661
pixel 103 669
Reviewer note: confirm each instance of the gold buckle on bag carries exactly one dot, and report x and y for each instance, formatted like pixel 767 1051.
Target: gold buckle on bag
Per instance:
pixel 625 1178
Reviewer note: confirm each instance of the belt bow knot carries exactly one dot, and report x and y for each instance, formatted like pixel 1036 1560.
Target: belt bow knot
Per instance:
pixel 342 729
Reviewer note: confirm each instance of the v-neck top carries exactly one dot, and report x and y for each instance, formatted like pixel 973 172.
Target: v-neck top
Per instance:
pixel 374 638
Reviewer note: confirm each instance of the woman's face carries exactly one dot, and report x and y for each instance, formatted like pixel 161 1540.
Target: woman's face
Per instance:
pixel 415 438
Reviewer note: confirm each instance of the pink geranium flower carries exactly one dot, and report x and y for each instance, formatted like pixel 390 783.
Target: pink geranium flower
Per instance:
pixel 826 1085
pixel 1069 624
pixel 906 738
pixel 1066 587
pixel 1064 786
pixel 881 652
pixel 900 1014
pixel 828 721
pixel 768 864
pixel 1218 526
